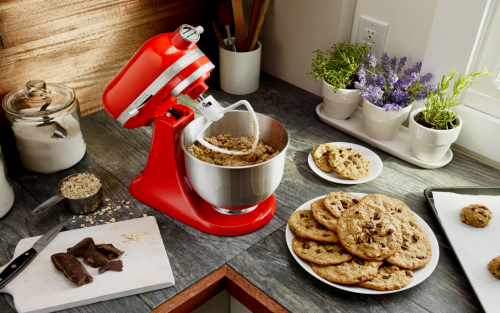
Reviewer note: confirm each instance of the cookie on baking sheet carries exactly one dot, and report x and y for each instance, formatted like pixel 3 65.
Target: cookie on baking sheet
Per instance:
pixel 415 252
pixel 494 267
pixel 349 163
pixel 389 277
pixel 369 232
pixel 354 271
pixel 320 156
pixel 303 224
pixel 320 252
pixel 337 202
pixel 476 215
pixel 395 207
pixel 323 216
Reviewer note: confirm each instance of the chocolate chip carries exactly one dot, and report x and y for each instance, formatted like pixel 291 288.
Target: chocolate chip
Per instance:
pixel 371 240
pixel 347 163
pixel 349 149
pixel 360 278
pixel 369 225
pixel 399 210
pixel 318 251
pixel 485 208
pixel 338 207
pixel 376 216
pixel 370 233
pixel 325 235
pixel 386 276
pixel 419 257
pixel 393 213
pixel 383 245
pixel 340 151
pixel 375 232
pixel 341 155
pixel 308 227
pixel 404 247
pixel 326 217
pixel 301 215
pixel 329 250
pixel 415 237
pixel 357 155
pixel 350 157
pixel 358 167
pixel 306 246
pixel 411 224
pixel 481 212
pixel 472 209
pixel 379 224
pixel 408 274
pixel 359 240
pixel 390 231
pixel 356 201
pixel 360 262
pixel 320 227
pixel 357 212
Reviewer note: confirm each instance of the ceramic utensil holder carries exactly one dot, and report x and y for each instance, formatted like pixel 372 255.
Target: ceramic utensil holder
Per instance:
pixel 239 71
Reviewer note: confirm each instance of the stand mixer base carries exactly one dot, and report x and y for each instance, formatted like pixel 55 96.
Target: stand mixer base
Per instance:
pixel 234 212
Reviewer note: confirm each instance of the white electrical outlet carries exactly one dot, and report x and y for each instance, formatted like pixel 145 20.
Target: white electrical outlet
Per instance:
pixel 373 33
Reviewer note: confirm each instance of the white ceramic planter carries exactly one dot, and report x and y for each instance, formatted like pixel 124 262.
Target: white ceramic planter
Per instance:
pixel 341 104
pixel 430 145
pixel 381 124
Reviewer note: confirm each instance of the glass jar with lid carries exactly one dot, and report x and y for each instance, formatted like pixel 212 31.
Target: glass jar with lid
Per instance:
pixel 45 119
pixel 6 191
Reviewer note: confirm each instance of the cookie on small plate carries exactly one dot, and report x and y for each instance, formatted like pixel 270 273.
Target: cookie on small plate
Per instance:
pixel 415 252
pixel 389 277
pixel 320 252
pixel 349 163
pixel 337 202
pixel 476 215
pixel 393 206
pixel 323 216
pixel 320 155
pixel 369 232
pixel 303 224
pixel 354 271
pixel 494 267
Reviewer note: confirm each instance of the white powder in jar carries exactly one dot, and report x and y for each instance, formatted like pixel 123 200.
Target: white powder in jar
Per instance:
pixel 6 191
pixel 41 153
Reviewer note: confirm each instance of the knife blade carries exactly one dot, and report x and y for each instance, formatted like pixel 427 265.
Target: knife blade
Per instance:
pixel 15 267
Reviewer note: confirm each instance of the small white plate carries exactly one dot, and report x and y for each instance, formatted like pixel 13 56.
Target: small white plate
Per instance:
pixel 419 275
pixel 375 163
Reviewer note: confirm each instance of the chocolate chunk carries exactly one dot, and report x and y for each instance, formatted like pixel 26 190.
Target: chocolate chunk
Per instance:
pixel 109 251
pixel 350 157
pixel 419 257
pixel 386 276
pixel 340 151
pixel 81 247
pixel 376 216
pixel 360 278
pixel 408 273
pixel 415 238
pixel 360 262
pixel 379 224
pixel 343 202
pixel 359 240
pixel 371 240
pixel 326 217
pixel 390 231
pixel 370 232
pixel 325 235
pixel 71 268
pixel 347 163
pixel 306 246
pixel 301 215
pixel 115 265
pixel 318 251
pixel 481 212
pixel 357 212
pixel 399 210
pixel 383 245
pixel 320 227
pixel 375 232
pixel 404 247
pixel 369 225
pixel 472 209
pixel 308 226
pixel 355 201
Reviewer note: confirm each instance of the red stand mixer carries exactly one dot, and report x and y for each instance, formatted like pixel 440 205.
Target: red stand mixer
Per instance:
pixel 215 199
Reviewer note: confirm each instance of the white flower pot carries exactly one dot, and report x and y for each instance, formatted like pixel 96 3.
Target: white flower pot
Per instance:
pixel 381 124
pixel 341 104
pixel 430 145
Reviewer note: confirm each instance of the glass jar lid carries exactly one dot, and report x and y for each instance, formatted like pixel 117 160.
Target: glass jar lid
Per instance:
pixel 38 99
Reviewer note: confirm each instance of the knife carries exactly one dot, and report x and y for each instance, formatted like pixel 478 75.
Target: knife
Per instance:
pixel 15 267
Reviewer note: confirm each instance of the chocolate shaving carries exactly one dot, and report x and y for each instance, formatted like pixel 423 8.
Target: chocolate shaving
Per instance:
pixel 109 251
pixel 71 268
pixel 115 265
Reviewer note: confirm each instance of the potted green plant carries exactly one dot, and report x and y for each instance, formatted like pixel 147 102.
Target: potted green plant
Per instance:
pixel 337 67
pixel 436 126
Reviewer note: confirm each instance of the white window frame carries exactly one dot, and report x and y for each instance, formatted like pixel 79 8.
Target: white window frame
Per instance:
pixel 455 35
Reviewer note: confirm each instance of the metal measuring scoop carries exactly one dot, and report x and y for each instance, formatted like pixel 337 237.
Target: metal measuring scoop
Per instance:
pixel 75 206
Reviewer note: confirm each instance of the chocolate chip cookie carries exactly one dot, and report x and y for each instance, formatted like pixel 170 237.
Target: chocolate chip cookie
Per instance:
pixel 320 252
pixel 476 215
pixel 494 267
pixel 415 252
pixel 323 216
pixel 349 163
pixel 303 224
pixel 369 232
pixel 337 202
pixel 355 271
pixel 320 156
pixel 389 277
pixel 395 207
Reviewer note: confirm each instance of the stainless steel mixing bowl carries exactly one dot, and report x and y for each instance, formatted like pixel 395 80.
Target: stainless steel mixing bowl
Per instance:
pixel 236 190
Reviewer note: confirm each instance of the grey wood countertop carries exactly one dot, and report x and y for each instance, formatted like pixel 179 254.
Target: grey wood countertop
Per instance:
pixel 117 155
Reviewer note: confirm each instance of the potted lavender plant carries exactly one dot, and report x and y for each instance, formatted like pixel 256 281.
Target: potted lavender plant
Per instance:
pixel 337 67
pixel 388 93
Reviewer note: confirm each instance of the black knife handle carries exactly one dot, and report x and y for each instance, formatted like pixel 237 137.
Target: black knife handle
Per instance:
pixel 15 267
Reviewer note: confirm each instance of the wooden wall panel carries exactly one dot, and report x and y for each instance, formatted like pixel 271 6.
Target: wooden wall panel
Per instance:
pixel 83 44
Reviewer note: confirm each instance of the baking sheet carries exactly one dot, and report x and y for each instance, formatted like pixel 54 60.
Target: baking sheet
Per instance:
pixel 474 247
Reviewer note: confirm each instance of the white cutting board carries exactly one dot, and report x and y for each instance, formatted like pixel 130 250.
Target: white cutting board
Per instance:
pixel 40 287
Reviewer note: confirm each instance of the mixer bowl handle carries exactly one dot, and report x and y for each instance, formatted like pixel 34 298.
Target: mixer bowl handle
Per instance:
pixel 213 111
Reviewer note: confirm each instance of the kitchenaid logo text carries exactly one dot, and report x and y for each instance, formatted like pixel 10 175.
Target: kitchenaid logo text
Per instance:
pixel 187 59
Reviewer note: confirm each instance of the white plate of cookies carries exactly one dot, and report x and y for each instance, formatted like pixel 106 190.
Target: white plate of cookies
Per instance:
pixel 345 163
pixel 368 244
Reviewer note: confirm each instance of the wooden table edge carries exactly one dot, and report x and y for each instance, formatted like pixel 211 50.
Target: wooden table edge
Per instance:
pixel 209 286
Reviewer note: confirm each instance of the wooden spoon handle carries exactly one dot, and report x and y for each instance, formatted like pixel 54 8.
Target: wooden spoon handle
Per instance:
pixel 260 21
pixel 239 25
pixel 219 37
pixel 253 21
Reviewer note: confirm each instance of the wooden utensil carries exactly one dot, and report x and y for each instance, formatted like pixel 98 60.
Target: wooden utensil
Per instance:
pixel 219 37
pixel 239 24
pixel 253 21
pixel 226 19
pixel 258 27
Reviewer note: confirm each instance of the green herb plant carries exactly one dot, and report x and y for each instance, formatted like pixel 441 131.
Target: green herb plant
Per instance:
pixel 438 113
pixel 338 65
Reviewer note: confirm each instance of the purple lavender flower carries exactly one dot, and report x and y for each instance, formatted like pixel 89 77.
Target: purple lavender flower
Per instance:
pixel 372 61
